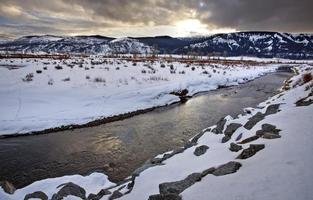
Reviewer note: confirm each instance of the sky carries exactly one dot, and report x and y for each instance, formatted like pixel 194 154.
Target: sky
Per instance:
pixel 136 18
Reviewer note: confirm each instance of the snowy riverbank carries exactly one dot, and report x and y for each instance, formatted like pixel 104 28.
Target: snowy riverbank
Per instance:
pixel 38 94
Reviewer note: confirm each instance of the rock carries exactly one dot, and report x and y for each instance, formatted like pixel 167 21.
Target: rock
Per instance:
pixel 200 150
pixel 272 109
pixel 249 139
pixel 251 151
pixel 7 187
pixel 100 194
pixel 179 186
pixel 235 147
pixel 219 126
pixel 116 194
pixel 165 197
pixel 184 92
pixel 270 128
pixel 154 161
pixel 208 171
pixel 146 166
pixel 239 137
pixel 231 128
pixel 304 102
pixel 268 131
pixel 36 195
pixel 196 138
pixel 69 189
pixel 254 120
pixel 182 95
pixel 270 136
pixel 228 168
pixel 226 138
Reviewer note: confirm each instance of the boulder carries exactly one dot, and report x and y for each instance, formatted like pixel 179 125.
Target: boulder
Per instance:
pixel 7 187
pixel 116 194
pixel 179 186
pixel 170 196
pixel 226 138
pixel 69 189
pixel 200 150
pixel 251 151
pixel 231 128
pixel 235 147
pixel 254 120
pixel 219 126
pixel 208 171
pixel 249 139
pixel 269 131
pixel 228 168
pixel 270 136
pixel 100 194
pixel 239 137
pixel 36 195
pixel 272 109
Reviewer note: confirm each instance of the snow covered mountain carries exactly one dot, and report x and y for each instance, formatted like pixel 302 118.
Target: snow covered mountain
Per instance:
pixel 79 44
pixel 260 44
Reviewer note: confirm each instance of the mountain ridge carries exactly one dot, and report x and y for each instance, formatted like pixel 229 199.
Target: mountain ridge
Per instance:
pixel 248 43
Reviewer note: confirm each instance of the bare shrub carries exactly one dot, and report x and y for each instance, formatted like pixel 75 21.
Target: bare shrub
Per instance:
pixel 309 86
pixel 66 79
pixel 99 80
pixel 307 77
pixel 87 77
pixel 29 77
pixel 50 82
pixel 58 67
pixel 157 78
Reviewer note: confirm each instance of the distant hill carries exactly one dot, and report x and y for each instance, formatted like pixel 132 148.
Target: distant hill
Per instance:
pixel 259 44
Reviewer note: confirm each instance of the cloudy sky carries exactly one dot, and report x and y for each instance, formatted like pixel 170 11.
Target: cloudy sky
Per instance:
pixel 120 18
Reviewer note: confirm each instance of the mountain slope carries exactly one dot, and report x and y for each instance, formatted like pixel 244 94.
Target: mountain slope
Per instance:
pixel 260 44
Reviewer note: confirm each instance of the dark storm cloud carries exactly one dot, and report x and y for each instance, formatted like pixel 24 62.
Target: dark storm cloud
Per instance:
pixel 279 15
pixel 81 16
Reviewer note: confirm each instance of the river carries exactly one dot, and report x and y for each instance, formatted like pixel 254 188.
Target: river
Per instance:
pixel 120 147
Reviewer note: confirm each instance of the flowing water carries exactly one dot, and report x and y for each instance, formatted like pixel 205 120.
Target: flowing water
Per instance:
pixel 120 147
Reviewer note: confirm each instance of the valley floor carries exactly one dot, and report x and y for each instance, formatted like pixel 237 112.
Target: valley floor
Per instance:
pixel 263 154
